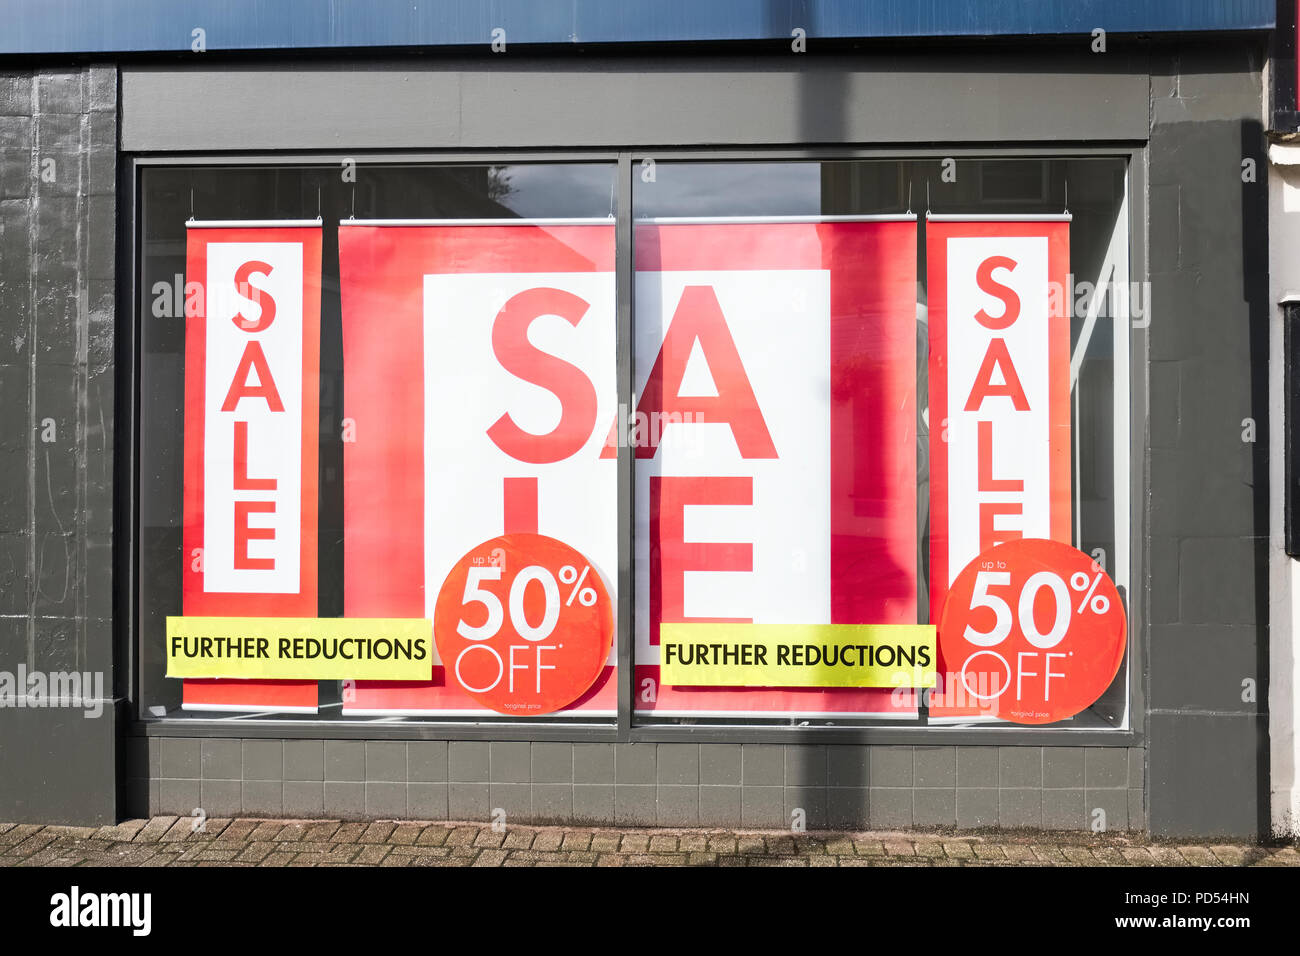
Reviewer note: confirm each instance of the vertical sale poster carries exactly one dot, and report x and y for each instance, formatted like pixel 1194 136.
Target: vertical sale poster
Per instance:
pixel 479 388
pixel 775 446
pixel 999 413
pixel 252 386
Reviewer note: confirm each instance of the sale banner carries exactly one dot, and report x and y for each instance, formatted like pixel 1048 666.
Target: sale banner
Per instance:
pixel 775 445
pixel 999 379
pixel 479 384
pixel 1034 632
pixel 252 386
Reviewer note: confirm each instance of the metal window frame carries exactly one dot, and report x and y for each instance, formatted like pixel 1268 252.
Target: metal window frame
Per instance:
pixel 624 728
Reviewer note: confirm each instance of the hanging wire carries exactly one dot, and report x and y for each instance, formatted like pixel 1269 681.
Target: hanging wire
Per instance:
pixel 1066 210
pixel 191 219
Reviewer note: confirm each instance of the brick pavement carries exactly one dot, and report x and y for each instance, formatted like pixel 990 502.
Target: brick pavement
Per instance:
pixel 173 841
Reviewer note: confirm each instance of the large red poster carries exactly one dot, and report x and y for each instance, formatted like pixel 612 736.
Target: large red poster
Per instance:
pixel 479 386
pixel 776 473
pixel 999 377
pixel 252 387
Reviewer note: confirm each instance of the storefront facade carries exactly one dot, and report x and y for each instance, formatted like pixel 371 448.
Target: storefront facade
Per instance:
pixel 763 237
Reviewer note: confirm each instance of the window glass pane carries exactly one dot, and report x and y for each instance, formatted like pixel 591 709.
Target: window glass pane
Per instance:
pixel 769 307
pixel 437 427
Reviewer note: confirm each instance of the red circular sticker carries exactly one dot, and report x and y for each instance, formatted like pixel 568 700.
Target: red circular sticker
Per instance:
pixel 523 624
pixel 1032 631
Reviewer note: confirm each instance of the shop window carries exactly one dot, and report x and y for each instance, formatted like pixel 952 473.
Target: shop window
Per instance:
pixel 382 395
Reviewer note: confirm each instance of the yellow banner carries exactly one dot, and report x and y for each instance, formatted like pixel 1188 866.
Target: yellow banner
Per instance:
pixel 300 648
pixel 797 655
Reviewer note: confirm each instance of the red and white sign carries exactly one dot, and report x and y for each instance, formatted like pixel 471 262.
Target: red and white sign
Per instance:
pixel 523 625
pixel 478 390
pixel 1033 631
pixel 775 437
pixel 999 378
pixel 252 385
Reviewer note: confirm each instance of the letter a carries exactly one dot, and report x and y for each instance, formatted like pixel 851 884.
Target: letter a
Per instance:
pixel 699 318
pixel 997 355
pixel 253 358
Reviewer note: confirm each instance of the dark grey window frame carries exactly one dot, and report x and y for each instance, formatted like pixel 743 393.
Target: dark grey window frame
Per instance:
pixel 622 730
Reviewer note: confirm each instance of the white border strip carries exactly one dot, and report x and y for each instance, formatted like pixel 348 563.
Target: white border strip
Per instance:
pixel 252 223
pixel 774 715
pixel 724 220
pixel 1000 217
pixel 396 714
pixel 245 709
pixel 602 221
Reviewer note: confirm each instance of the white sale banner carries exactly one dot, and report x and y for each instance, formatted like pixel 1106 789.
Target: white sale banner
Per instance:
pixel 252 393
pixel 776 481
pixel 999 330
pixel 480 381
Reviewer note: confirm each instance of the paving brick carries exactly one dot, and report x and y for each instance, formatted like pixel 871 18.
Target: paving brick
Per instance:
pixel 634 843
pixel 1137 855
pixel 154 829
pixel 1198 856
pixel 576 840
pixel 125 831
pixel 372 854
pixel 433 836
pixel 321 831
pixel 489 838
pixel 548 840
pixel 1231 855
pixel 237 831
pixel 518 839
pixel 462 836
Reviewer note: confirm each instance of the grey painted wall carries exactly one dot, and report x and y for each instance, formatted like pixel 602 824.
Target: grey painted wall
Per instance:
pixel 521 102
pixel 58 140
pixel 1208 507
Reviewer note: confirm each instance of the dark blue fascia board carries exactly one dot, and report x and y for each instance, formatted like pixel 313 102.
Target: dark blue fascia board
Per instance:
pixel 135 26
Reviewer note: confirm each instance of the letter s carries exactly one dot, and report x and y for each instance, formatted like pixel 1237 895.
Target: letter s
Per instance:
pixel 567 382
pixel 254 294
pixel 1011 301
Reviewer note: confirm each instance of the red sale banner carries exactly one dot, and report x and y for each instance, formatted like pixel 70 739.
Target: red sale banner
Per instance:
pixel 479 386
pixel 775 442
pixel 1033 630
pixel 999 378
pixel 252 386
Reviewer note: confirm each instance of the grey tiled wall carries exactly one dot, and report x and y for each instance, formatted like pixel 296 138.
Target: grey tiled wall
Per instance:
pixel 732 785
